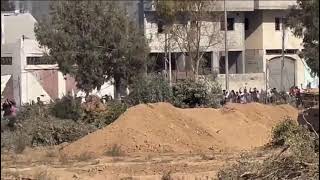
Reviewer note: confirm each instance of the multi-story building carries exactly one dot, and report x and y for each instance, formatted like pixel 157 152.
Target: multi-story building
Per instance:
pixel 25 75
pixel 254 42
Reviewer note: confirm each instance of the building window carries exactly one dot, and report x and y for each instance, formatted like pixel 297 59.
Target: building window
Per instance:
pixel 6 60
pixel 277 24
pixel 36 60
pixel 230 24
pixel 279 51
pixel 160 27
pixel 246 24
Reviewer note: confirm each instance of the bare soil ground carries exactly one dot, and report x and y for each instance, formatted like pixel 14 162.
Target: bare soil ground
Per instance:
pixel 48 163
pixel 153 141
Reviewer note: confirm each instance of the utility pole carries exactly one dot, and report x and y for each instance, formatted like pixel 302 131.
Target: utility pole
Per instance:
pixel 266 79
pixel 225 46
pixel 167 58
pixel 170 68
pixel 282 60
pixel 165 53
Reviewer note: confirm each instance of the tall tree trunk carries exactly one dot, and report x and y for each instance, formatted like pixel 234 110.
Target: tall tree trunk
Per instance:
pixel 196 74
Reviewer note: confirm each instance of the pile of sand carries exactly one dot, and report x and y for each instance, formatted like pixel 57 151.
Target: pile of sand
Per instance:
pixel 161 128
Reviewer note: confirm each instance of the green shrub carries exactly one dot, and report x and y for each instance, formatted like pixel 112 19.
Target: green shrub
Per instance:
pixel 149 89
pixel 303 143
pixel 104 118
pixel 299 162
pixel 38 130
pixel 68 107
pixel 189 93
pixel 56 131
pixel 283 131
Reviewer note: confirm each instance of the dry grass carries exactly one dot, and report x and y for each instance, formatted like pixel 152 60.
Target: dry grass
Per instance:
pixel 84 157
pixel 114 151
pixel 167 176
pixel 44 175
pixel 298 158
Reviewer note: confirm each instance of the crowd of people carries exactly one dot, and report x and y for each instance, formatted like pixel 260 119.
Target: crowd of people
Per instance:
pixel 243 96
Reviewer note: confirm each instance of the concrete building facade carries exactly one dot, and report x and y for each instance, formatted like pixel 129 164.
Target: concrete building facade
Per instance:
pixel 254 44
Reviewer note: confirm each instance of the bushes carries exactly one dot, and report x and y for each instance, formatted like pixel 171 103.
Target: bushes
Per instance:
pixel 187 93
pixel 39 131
pixel 149 89
pixel 68 107
pixel 203 93
pixel 103 118
pixel 299 162
pixel 56 131
pixel 303 144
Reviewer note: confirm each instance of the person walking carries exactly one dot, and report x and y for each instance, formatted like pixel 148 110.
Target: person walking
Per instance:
pixel 13 114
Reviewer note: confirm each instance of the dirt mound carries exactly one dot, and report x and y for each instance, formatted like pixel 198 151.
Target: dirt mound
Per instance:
pixel 161 127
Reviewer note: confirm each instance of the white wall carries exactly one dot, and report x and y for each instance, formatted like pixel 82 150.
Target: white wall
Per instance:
pixel 272 39
pixel 235 38
pixel 236 81
pixel 273 4
pixel 16 25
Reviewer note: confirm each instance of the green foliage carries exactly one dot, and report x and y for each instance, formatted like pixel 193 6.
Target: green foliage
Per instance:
pixel 68 107
pixel 104 118
pixel 191 93
pixel 37 130
pixel 299 162
pixel 283 131
pixel 149 89
pixel 304 20
pixel 56 131
pixel 302 143
pixel 94 41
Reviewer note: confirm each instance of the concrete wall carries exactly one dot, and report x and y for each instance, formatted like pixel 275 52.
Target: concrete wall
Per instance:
pixel 273 4
pixel 16 25
pixel 272 39
pixel 216 5
pixel 253 36
pixel 235 38
pixel 236 81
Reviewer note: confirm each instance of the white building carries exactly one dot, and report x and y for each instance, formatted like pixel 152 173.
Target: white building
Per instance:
pixel 254 45
pixel 25 75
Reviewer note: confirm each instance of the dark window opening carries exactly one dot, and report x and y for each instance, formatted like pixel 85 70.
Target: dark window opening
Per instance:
pixel 38 60
pixel 160 27
pixel 246 24
pixel 205 64
pixel 230 24
pixel 156 62
pixel 279 51
pixel 174 57
pixel 277 24
pixel 6 60
pixel 222 66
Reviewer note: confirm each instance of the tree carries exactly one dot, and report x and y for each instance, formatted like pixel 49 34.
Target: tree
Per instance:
pixel 192 26
pixel 94 41
pixel 7 5
pixel 304 20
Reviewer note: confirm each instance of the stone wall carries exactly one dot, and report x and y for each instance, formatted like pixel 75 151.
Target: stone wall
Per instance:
pixel 236 81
